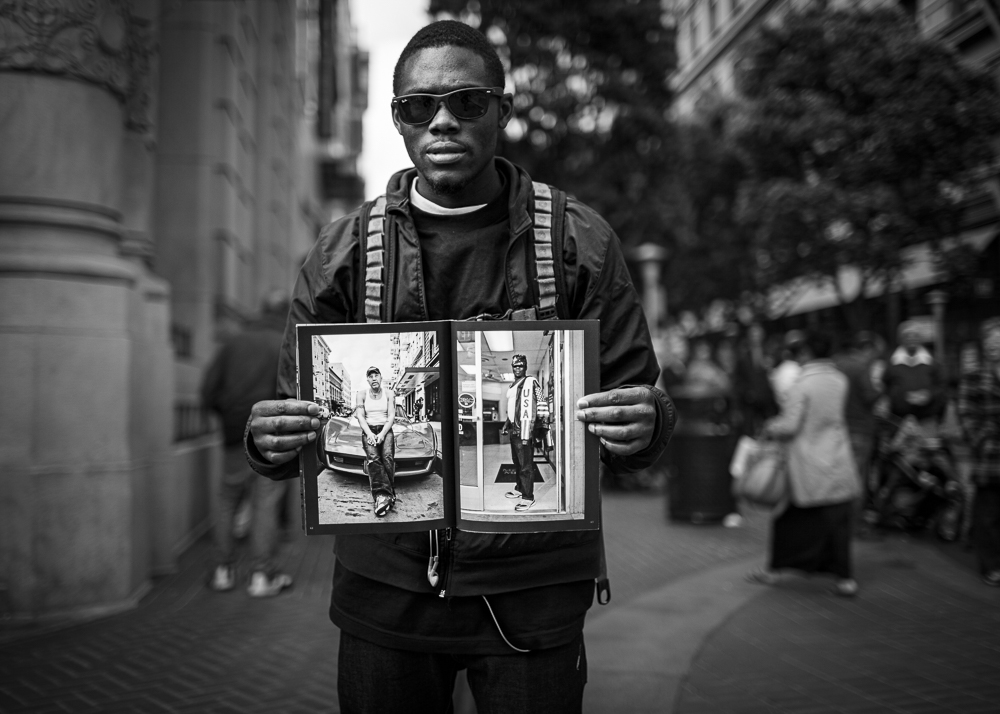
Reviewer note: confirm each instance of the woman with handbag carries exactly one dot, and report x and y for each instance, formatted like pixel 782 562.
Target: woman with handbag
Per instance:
pixel 812 533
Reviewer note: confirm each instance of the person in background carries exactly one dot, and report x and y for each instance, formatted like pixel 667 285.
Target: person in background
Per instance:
pixel 812 534
pixel 979 414
pixel 784 375
pixel 243 372
pixel 703 376
pixel 862 394
pixel 755 402
pixel 913 382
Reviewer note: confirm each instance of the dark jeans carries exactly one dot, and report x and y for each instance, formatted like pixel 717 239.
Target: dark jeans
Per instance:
pixel 986 527
pixel 522 451
pixel 381 463
pixel 372 678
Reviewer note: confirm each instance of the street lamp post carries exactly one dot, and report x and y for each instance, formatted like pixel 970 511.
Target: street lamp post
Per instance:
pixel 937 299
pixel 651 258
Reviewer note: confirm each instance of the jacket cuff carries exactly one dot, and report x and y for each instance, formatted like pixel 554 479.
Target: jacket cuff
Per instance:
pixel 666 417
pixel 257 462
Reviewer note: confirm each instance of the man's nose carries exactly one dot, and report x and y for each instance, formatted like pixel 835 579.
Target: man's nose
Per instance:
pixel 444 120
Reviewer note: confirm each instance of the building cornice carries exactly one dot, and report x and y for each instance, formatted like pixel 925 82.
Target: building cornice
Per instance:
pixel 96 41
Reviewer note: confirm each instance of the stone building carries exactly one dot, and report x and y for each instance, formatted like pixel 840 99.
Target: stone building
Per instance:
pixel 165 165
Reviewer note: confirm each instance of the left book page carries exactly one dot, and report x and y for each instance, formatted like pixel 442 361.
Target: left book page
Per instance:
pixel 346 362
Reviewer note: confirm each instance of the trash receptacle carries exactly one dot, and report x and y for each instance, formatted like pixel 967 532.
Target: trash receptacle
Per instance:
pixel 699 489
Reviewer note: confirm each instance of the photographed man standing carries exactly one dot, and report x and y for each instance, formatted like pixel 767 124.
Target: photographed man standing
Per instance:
pixel 414 608
pixel 522 411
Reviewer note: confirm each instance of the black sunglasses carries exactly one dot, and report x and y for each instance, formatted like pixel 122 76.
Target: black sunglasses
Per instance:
pixel 470 103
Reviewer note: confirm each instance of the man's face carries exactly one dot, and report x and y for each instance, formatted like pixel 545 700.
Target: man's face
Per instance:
pixel 375 380
pixel 452 155
pixel 519 369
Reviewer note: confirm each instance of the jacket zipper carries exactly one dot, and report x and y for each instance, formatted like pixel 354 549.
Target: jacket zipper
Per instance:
pixel 446 575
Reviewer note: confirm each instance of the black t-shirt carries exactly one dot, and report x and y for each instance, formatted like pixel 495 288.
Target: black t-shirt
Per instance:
pixel 463 264
pixel 463 258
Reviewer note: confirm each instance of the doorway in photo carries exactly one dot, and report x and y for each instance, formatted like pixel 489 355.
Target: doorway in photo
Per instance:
pixel 520 449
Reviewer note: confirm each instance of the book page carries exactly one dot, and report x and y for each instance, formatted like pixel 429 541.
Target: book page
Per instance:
pixel 523 461
pixel 368 472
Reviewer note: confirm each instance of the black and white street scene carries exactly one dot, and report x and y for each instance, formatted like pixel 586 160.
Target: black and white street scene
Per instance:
pixel 521 450
pixel 359 380
pixel 776 225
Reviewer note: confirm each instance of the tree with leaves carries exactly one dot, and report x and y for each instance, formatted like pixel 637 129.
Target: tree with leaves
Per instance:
pixel 590 96
pixel 860 137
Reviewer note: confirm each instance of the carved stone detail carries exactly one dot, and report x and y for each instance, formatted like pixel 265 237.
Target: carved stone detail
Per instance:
pixel 97 41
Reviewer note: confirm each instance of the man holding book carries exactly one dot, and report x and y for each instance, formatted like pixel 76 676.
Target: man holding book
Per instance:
pixel 509 608
pixel 522 411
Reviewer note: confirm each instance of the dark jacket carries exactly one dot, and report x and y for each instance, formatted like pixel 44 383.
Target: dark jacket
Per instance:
pixel 599 287
pixel 243 372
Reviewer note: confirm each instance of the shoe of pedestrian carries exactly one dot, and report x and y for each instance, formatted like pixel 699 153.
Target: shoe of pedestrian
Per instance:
pixel 223 579
pixel 263 586
pixel 512 494
pixel 847 587
pixel 759 576
pixel 524 505
pixel 992 578
pixel 382 505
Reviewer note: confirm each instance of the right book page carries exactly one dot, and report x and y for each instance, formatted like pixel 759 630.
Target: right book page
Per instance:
pixel 523 461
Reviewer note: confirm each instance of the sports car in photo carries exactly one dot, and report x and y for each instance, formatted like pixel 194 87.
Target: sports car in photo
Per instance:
pixel 416 446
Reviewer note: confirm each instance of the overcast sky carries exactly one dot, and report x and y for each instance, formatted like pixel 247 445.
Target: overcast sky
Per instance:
pixel 384 28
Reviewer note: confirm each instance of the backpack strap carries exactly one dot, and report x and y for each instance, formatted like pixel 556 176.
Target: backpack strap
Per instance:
pixel 373 243
pixel 548 212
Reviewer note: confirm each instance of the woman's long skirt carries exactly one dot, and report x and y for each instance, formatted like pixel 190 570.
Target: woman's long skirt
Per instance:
pixel 816 539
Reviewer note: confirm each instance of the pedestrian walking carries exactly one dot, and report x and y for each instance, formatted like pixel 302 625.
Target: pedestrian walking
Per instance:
pixel 979 415
pixel 783 376
pixel 755 402
pixel 243 372
pixel 862 394
pixel 812 533
pixel 414 608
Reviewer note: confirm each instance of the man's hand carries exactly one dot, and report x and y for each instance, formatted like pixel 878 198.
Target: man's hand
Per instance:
pixel 280 428
pixel 623 418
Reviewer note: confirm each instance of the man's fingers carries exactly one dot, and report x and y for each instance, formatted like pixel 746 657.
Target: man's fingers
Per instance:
pixel 626 432
pixel 615 397
pixel 618 414
pixel 283 407
pixel 623 448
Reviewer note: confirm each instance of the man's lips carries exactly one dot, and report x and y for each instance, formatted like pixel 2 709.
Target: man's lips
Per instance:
pixel 445 153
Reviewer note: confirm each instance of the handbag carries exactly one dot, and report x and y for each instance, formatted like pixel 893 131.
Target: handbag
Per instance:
pixel 764 477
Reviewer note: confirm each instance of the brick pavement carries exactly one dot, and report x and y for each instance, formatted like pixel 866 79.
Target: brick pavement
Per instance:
pixel 924 636
pixel 186 649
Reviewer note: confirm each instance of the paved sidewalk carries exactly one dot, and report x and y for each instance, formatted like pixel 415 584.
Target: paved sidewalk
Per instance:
pixel 684 633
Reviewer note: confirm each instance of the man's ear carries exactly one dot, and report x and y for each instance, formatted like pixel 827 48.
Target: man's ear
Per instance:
pixel 506 110
pixel 396 122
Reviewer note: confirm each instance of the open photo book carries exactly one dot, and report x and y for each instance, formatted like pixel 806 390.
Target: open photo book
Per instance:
pixel 483 434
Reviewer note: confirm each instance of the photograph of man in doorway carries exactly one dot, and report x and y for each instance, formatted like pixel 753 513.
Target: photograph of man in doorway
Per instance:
pixel 522 410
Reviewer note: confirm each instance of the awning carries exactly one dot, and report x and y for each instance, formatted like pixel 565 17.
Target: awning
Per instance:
pixel 920 271
pixel 414 377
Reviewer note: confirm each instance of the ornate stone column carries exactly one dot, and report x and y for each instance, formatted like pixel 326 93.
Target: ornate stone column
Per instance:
pixel 72 491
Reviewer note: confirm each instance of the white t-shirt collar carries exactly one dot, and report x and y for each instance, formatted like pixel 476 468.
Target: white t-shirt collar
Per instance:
pixel 428 206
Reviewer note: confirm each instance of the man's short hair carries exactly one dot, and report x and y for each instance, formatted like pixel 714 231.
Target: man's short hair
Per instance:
pixel 518 359
pixel 371 369
pixel 450 33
